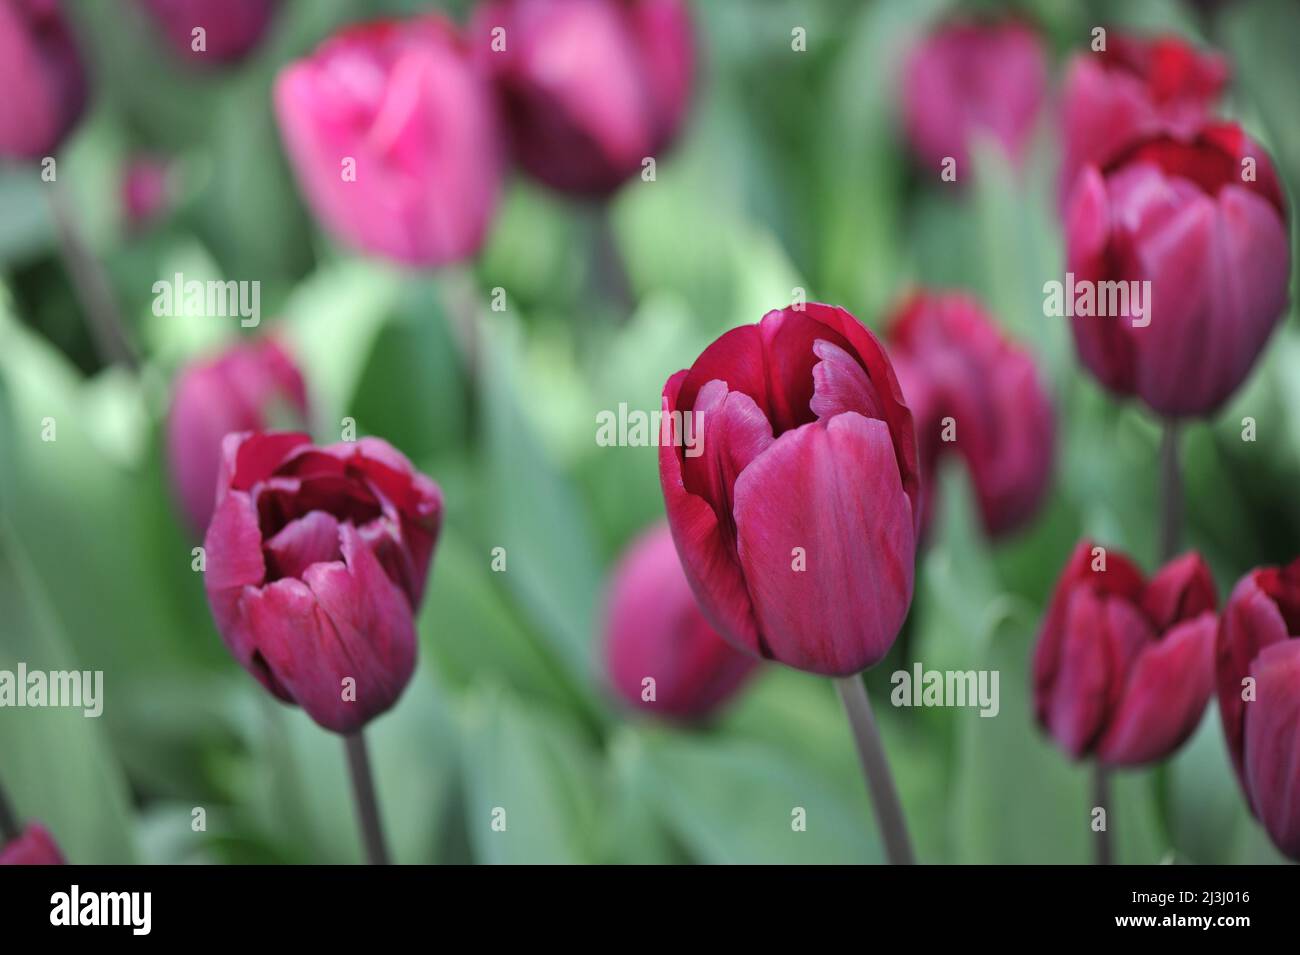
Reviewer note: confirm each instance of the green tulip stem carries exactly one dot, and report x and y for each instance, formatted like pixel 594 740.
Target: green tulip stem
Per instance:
pixel 1101 800
pixel 363 788
pixel 880 782
pixel 1171 493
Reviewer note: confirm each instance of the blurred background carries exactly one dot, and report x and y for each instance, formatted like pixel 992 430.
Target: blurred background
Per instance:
pixel 791 171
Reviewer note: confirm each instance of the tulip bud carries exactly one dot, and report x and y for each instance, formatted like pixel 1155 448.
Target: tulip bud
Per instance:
pixel 1124 667
pixel 968 78
pixel 795 514
pixel 393 137
pixel 1205 223
pixel 589 88
pixel 42 77
pixel 1134 89
pixel 661 653
pixel 249 387
pixel 231 29
pixel 1258 658
pixel 973 391
pixel 316 564
pixel 145 191
pixel 33 846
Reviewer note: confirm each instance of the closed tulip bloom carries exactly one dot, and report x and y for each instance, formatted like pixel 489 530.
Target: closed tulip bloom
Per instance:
pixel 231 28
pixel 316 564
pixel 393 137
pixel 42 76
pixel 966 79
pixel 589 88
pixel 1215 249
pixel 654 630
pixel 1124 667
pixel 796 514
pixel 974 392
pixel 33 846
pixel 145 191
pixel 1134 89
pixel 1259 696
pixel 251 386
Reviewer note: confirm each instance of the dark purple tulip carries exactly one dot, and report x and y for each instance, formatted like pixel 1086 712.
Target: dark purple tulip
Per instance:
pixel 654 629
pixel 232 28
pixel 42 80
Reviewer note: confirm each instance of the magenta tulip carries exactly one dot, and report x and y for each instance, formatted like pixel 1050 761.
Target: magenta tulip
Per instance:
pixel 654 631
pixel 1133 90
pixel 42 78
pixel 316 564
pixel 1205 222
pixel 33 846
pixel 589 88
pixel 973 391
pixel 1259 696
pixel 966 79
pixel 393 136
pixel 231 29
pixel 145 191
pixel 249 387
pixel 796 522
pixel 1124 667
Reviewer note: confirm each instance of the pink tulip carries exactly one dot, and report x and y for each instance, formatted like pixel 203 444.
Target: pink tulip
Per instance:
pixel 590 88
pixel 968 78
pixel 1124 667
pixel 33 846
pixel 393 136
pixel 316 564
pixel 655 631
pixel 249 387
pixel 1134 89
pixel 973 391
pixel 145 191
pixel 231 28
pixel 797 522
pixel 1204 220
pixel 41 76
pixel 1259 696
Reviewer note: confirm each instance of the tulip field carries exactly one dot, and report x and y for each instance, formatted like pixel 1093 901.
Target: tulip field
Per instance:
pixel 649 432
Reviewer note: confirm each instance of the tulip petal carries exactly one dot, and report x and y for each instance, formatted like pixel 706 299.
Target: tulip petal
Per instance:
pixel 1183 589
pixel 840 384
pixel 1165 695
pixel 1272 744
pixel 311 539
pixel 833 489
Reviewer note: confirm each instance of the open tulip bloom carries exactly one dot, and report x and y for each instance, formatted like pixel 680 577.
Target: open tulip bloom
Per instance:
pixel 797 524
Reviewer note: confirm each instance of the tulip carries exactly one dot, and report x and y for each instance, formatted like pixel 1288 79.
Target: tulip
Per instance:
pixel 1134 89
pixel 654 630
pixel 1216 250
pixel 966 79
pixel 231 28
pixel 249 387
pixel 974 391
pixel 393 137
pixel 1124 667
pixel 145 191
pixel 589 88
pixel 33 846
pixel 316 564
pixel 1258 658
pixel 797 523
pixel 42 76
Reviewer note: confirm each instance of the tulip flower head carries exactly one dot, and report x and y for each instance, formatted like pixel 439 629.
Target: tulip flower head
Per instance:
pixel 1204 221
pixel 1258 658
pixel 42 78
pixel 1124 667
pixel 661 653
pixel 212 31
pixel 33 846
pixel 968 78
pixel 392 134
pixel 797 522
pixel 316 564
pixel 590 89
pixel 245 388
pixel 1134 89
pixel 973 391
